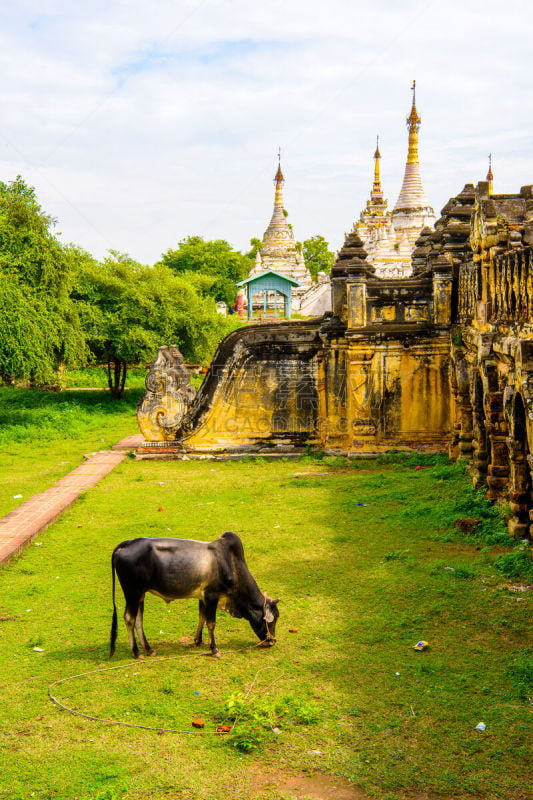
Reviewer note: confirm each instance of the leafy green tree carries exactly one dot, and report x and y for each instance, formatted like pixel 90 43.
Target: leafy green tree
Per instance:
pixel 39 326
pixel 317 255
pixel 216 258
pixel 255 246
pixel 128 310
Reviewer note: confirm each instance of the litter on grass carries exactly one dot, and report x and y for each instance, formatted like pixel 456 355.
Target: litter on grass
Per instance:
pixel 480 726
pixel 421 645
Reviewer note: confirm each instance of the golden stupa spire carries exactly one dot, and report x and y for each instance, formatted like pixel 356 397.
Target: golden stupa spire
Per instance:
pixel 412 198
pixel 376 186
pixel 279 180
pixel 490 176
pixel 413 124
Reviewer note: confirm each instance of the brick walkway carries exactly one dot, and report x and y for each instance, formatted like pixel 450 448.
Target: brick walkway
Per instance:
pixel 24 523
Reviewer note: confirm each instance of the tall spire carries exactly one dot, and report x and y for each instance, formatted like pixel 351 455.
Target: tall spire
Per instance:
pixel 413 124
pixel 412 194
pixel 490 176
pixel 377 192
pixel 279 181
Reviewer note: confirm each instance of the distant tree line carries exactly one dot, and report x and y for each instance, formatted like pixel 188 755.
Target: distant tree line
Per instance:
pixel 61 307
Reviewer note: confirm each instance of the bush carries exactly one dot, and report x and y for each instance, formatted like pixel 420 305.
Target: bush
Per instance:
pixel 255 718
pixel 517 564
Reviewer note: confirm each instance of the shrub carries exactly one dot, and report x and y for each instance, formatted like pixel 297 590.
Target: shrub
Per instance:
pixel 517 564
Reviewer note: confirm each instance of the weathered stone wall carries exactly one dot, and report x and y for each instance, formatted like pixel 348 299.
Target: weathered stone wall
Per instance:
pixel 492 356
pixel 389 393
pixel 261 392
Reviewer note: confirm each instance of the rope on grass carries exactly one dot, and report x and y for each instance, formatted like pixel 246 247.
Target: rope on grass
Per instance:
pixel 152 661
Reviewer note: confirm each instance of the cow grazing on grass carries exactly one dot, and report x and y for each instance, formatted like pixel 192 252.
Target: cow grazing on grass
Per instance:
pixel 214 572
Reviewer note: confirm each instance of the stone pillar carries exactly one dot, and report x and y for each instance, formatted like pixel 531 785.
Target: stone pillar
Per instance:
pixel 479 454
pixel 357 310
pixel 442 291
pixel 363 427
pixel 463 408
pixel 519 489
pixel 498 469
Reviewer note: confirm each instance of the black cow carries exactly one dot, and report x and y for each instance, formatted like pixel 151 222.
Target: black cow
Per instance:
pixel 214 572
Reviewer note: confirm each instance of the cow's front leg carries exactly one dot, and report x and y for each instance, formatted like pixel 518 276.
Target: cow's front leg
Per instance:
pixel 211 618
pixel 140 630
pixel 201 623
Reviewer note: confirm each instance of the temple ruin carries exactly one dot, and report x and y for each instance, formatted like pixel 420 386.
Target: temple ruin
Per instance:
pixel 441 360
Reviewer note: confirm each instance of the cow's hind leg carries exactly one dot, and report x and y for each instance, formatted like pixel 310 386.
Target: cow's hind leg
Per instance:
pixel 201 623
pixel 130 614
pixel 140 630
pixel 211 618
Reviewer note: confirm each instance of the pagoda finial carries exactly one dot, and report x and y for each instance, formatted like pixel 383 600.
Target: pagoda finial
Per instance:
pixel 413 124
pixel 376 186
pixel 278 180
pixel 490 176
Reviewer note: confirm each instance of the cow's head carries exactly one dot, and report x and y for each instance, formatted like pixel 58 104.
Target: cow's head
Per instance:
pixel 269 618
pixel 262 617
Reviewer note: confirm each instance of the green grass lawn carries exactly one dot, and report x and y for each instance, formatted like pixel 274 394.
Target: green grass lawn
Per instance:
pixel 44 435
pixel 96 377
pixel 366 562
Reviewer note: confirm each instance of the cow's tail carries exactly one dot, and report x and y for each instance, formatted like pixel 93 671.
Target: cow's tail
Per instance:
pixel 113 636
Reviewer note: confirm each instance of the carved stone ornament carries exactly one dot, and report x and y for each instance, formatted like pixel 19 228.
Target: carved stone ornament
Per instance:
pixel 168 397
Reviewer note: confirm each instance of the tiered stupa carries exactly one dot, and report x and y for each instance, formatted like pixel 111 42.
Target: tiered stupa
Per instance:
pixel 278 251
pixel 389 237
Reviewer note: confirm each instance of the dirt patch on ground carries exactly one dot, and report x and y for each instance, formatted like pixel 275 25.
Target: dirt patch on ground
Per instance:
pixel 311 787
pixel 323 787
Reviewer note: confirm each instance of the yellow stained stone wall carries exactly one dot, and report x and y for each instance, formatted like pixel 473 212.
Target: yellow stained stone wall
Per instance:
pixel 380 395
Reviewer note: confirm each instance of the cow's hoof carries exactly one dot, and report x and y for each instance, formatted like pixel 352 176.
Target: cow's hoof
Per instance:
pixel 216 654
pixel 151 652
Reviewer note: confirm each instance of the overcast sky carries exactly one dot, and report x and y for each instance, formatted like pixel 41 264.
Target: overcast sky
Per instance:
pixel 140 123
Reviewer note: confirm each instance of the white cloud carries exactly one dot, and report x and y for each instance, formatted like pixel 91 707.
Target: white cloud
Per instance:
pixel 140 124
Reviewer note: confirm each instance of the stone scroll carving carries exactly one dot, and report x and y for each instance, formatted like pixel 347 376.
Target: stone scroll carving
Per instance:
pixel 168 397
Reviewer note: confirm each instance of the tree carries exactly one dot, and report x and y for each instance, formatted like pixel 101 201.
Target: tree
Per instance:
pixel 215 258
pixel 317 255
pixel 39 326
pixel 129 310
pixel 255 246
